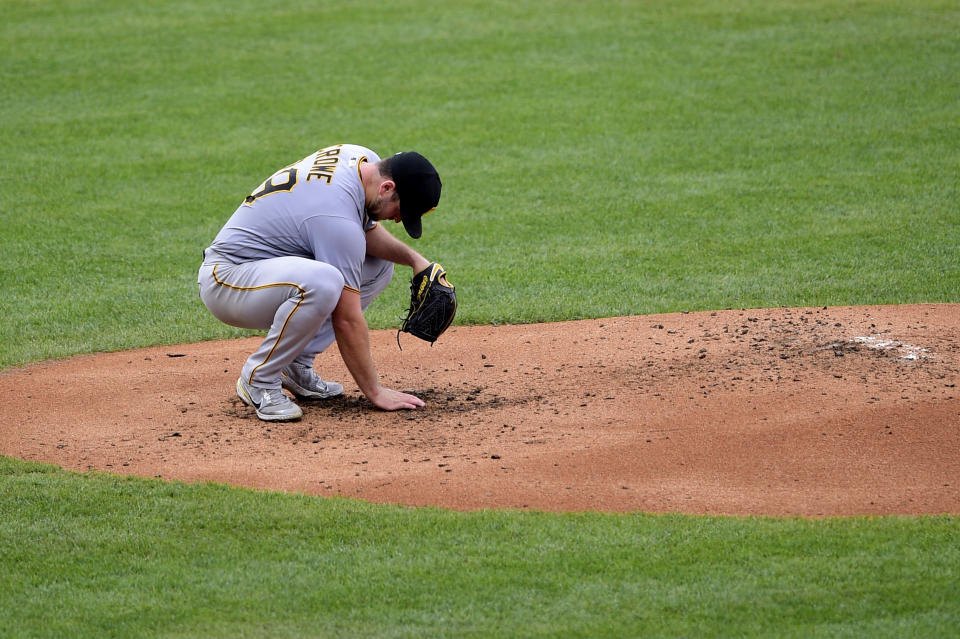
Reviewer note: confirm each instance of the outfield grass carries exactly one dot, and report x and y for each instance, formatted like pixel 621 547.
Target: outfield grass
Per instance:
pixel 599 159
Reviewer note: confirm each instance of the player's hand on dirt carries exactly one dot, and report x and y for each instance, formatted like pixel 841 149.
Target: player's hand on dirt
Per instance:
pixel 389 399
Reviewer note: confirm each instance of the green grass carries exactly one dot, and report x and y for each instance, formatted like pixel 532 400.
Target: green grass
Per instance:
pixel 95 555
pixel 598 159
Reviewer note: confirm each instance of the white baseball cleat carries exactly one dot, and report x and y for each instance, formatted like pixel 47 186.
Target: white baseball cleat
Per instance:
pixel 303 382
pixel 272 405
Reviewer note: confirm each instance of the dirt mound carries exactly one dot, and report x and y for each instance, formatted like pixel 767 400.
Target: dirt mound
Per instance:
pixel 812 412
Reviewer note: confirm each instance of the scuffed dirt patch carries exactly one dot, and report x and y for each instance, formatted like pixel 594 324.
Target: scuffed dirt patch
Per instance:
pixel 812 412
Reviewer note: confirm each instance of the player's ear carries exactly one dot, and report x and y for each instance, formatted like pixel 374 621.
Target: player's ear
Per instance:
pixel 387 189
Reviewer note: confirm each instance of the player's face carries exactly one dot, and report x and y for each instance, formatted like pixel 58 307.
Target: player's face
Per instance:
pixel 391 210
pixel 386 207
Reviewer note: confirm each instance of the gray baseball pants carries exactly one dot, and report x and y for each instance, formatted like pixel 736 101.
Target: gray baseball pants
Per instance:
pixel 292 298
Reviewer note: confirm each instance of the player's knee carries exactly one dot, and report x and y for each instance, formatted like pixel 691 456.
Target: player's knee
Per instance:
pixel 377 274
pixel 323 291
pixel 385 274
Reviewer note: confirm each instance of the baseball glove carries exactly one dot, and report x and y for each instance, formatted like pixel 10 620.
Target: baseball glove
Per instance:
pixel 433 303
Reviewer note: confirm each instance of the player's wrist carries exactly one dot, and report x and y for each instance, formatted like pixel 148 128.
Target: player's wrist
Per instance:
pixel 419 263
pixel 374 393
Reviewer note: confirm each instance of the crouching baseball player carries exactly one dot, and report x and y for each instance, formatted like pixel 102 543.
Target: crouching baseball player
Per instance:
pixel 305 254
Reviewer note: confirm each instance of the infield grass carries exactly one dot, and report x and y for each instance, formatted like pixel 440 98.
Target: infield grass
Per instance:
pixel 93 556
pixel 598 159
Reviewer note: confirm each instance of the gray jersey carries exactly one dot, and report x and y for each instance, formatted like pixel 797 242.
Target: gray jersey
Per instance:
pixel 312 209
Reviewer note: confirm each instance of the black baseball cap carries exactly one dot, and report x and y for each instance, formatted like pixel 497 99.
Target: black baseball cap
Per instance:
pixel 418 186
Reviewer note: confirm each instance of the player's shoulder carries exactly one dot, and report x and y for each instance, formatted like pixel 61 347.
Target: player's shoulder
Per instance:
pixel 347 153
pixel 353 155
pixel 358 151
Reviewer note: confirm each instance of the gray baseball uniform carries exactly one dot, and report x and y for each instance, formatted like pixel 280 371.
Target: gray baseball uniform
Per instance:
pixel 284 257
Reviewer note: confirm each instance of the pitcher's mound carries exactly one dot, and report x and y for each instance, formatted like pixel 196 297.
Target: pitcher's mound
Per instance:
pixel 812 412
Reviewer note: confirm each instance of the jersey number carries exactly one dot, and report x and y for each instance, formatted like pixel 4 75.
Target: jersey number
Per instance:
pixel 282 180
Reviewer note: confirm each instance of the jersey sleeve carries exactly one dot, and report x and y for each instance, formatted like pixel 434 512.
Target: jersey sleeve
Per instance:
pixel 340 243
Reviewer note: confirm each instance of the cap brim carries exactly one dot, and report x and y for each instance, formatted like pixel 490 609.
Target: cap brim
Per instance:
pixel 413 226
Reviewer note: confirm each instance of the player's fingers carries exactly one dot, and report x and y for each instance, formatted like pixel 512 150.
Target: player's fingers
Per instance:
pixel 411 402
pixel 407 400
pixel 395 400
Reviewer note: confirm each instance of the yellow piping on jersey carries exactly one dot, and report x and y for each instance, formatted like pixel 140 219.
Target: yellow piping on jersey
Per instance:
pixel 303 295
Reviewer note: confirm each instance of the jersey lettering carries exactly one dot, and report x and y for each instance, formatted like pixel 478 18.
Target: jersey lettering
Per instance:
pixel 324 164
pixel 282 180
